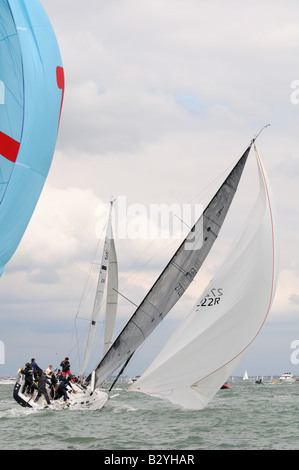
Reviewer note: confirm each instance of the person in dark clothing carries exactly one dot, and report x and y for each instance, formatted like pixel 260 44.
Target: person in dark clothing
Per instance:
pixel 63 388
pixel 66 367
pixel 54 381
pixel 29 379
pixel 37 371
pixel 41 387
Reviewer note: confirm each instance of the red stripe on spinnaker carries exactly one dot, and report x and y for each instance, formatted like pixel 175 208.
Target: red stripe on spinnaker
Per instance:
pixel 9 147
pixel 60 84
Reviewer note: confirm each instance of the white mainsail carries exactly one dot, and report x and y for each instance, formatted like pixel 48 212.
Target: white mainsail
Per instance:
pixel 206 347
pixel 109 269
pixel 245 376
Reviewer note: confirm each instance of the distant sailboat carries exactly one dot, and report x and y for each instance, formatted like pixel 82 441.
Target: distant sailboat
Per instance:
pixel 245 376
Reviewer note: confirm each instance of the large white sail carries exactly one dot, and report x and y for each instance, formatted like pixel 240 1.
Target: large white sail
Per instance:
pixel 208 344
pixel 174 279
pixel 108 269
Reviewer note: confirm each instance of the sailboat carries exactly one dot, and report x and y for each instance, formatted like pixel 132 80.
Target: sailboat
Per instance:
pixel 206 347
pixel 31 96
pixel 245 376
pixel 81 396
pixel 209 343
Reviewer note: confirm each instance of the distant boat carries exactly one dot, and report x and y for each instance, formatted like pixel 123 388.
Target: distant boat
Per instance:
pixel 7 380
pixel 134 379
pixel 225 386
pixel 287 377
pixel 245 376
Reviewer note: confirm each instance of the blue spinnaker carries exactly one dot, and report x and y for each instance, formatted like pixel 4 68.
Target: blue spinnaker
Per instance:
pixel 31 96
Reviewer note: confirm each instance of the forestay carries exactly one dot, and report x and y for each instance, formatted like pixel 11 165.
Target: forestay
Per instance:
pixel 175 278
pixel 205 349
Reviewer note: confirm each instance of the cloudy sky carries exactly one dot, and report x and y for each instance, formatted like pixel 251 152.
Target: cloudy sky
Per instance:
pixel 162 97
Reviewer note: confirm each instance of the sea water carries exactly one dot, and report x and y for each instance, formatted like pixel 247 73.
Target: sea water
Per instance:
pixel 246 417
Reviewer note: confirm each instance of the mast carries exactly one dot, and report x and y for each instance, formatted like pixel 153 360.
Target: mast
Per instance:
pixel 175 278
pixel 108 261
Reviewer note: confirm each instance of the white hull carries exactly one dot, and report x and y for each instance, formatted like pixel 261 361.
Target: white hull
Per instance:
pixel 286 378
pixel 80 399
pixel 7 381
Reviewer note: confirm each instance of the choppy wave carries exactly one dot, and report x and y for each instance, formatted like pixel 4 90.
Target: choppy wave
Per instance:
pixel 247 416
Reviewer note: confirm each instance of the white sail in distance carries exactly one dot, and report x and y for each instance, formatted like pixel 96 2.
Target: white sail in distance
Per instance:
pixel 206 347
pixel 245 376
pixel 108 269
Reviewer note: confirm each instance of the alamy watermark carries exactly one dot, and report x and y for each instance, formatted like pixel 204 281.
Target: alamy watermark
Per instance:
pixel 137 221
pixel 295 354
pixel 295 94
pixel 2 353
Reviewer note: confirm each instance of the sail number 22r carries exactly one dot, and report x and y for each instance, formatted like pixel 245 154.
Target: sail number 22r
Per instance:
pixel 213 298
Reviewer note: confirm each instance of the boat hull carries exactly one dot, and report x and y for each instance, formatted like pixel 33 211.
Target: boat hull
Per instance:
pixel 78 399
pixel 287 377
pixel 225 386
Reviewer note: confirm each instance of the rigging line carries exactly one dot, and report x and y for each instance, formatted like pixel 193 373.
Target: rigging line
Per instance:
pixel 81 300
pixel 135 305
pixel 132 274
pixel 78 339
pixel 89 320
pixel 183 222
pixel 93 263
pixel 219 177
pixel 120 372
pixel 77 344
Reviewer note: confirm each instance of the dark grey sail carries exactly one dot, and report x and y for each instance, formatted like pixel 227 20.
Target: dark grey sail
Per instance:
pixel 174 279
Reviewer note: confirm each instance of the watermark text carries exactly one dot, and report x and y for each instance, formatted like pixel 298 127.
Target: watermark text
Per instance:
pixel 295 354
pixel 295 94
pixel 137 221
pixel 2 353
